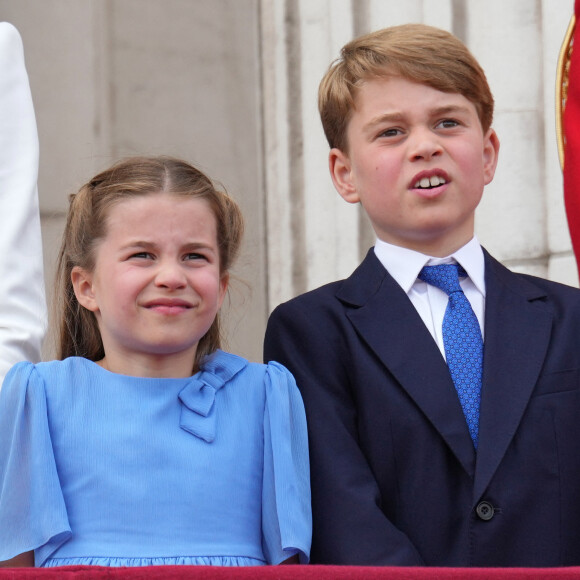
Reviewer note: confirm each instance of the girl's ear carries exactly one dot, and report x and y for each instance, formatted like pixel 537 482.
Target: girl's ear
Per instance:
pixel 224 283
pixel 82 282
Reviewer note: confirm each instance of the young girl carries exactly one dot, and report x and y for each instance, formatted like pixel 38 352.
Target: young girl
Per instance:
pixel 146 444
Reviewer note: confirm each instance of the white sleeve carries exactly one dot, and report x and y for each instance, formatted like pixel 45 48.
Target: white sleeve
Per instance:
pixel 22 297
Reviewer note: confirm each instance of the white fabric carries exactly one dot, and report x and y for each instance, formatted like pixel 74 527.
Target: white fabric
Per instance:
pixel 430 302
pixel 22 299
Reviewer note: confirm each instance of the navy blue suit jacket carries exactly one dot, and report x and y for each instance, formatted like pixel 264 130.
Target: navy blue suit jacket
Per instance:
pixel 395 477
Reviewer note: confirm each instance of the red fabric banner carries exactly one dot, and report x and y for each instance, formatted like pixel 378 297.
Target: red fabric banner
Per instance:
pixel 286 573
pixel 571 130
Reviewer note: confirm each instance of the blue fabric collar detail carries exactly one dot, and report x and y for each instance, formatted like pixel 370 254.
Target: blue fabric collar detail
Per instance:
pixel 197 398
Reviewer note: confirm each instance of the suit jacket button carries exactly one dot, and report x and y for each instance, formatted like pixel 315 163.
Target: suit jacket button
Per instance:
pixel 485 511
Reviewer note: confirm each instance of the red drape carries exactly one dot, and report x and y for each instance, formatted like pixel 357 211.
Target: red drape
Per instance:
pixel 571 128
pixel 286 573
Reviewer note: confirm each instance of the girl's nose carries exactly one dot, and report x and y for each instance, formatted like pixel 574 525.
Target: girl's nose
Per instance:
pixel 170 275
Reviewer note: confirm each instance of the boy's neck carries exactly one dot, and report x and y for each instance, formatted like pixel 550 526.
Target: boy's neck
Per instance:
pixel 436 248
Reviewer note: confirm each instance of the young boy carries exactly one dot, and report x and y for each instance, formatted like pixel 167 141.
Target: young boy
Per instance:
pixel 424 451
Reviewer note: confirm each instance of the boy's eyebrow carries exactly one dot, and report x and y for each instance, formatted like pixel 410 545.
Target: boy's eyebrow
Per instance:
pixel 383 118
pixel 448 109
pixel 396 117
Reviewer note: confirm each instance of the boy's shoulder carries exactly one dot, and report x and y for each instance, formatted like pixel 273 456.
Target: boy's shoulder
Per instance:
pixel 529 285
pixel 551 285
pixel 364 281
pixel 563 298
pixel 371 275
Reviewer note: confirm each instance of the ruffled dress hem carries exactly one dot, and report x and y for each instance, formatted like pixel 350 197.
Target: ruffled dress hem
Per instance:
pixel 156 561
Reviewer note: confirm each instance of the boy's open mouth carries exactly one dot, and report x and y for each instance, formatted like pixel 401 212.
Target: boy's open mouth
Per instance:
pixel 429 182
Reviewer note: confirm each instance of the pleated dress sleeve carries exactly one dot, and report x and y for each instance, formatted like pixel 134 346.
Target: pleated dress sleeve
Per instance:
pixel 32 510
pixel 286 512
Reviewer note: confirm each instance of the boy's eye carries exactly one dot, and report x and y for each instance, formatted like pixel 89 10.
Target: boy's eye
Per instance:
pixel 448 123
pixel 392 132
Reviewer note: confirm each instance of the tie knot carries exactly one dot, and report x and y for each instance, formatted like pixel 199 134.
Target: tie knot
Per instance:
pixel 445 277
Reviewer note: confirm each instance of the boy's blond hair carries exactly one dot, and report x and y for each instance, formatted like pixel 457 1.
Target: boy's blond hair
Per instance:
pixel 416 52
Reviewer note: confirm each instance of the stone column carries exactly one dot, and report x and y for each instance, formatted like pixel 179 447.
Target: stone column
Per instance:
pixel 312 234
pixel 506 40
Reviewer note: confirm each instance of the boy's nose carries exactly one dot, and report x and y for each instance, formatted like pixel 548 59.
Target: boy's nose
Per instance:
pixel 424 145
pixel 170 275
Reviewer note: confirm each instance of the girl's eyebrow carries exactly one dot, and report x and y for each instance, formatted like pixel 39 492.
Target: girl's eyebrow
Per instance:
pixel 199 246
pixel 138 244
pixel 150 245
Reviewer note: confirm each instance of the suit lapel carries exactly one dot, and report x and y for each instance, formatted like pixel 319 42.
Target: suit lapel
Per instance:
pixel 386 320
pixel 517 333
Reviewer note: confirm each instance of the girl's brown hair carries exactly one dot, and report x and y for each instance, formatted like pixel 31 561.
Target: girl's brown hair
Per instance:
pixel 416 52
pixel 86 225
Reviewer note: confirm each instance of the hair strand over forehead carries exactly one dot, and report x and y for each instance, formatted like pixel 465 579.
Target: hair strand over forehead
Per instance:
pixel 416 52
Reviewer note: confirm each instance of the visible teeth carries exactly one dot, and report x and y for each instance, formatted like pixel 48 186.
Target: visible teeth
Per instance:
pixel 427 182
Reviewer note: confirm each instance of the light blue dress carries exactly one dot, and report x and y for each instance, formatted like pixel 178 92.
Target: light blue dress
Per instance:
pixel 112 470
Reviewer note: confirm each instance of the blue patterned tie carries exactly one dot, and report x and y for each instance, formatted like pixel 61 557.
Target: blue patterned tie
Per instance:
pixel 462 340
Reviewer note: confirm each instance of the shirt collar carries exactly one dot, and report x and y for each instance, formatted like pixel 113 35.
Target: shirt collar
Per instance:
pixel 404 265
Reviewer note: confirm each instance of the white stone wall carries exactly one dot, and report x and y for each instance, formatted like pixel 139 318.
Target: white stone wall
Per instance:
pixel 522 217
pixel 232 85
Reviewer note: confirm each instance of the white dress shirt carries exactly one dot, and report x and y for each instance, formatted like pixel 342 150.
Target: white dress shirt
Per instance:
pixel 22 299
pixel 430 302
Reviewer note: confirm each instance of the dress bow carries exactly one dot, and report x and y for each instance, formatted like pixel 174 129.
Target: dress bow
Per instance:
pixel 198 408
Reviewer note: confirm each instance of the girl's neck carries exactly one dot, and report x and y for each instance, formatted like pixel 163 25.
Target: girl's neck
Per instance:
pixel 151 366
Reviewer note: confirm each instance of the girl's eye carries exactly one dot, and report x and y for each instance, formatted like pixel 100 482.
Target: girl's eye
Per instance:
pixel 195 256
pixel 142 255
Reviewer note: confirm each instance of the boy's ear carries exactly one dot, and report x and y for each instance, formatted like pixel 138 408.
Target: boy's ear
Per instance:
pixel 490 155
pixel 82 282
pixel 341 174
